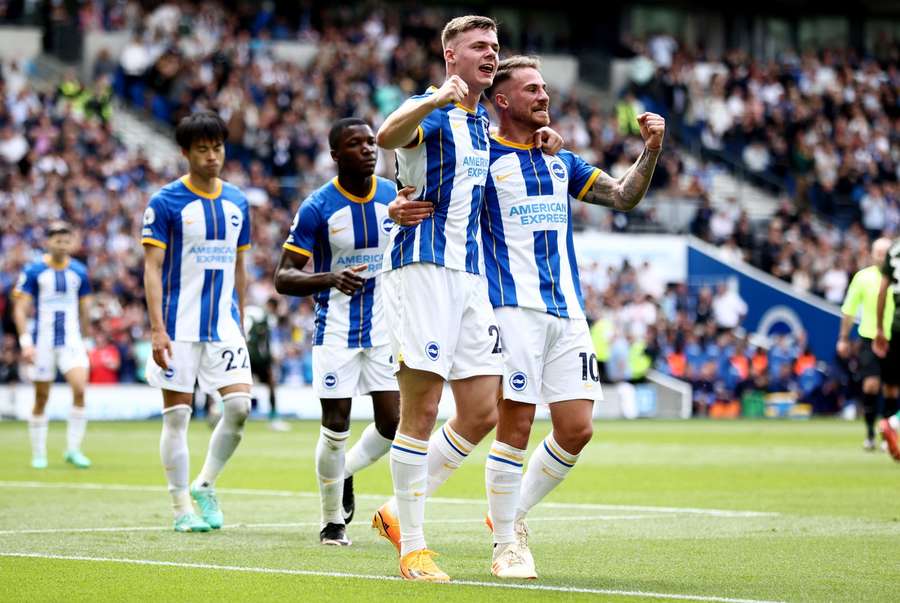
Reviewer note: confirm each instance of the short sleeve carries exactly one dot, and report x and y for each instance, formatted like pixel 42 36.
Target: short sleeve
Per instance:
pixel 155 230
pixel 581 174
pixel 304 229
pixel 244 236
pixel 429 126
pixel 27 282
pixel 85 287
pixel 853 298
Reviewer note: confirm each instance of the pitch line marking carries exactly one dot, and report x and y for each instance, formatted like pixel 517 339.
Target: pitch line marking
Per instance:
pixel 302 524
pixel 297 572
pixel 381 497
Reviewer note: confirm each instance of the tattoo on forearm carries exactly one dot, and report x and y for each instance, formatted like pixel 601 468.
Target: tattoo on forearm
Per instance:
pixel 624 193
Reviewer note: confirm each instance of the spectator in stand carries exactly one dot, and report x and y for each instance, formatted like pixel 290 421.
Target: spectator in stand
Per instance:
pixel 728 307
pixel 104 358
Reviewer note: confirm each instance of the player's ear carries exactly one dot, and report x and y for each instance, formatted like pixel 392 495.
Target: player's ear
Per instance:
pixel 334 155
pixel 449 55
pixel 501 101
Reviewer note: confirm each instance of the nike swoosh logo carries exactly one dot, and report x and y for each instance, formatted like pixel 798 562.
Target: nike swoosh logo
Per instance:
pixel 334 231
pixel 502 177
pixel 496 492
pixel 418 494
pixel 189 221
pixel 328 482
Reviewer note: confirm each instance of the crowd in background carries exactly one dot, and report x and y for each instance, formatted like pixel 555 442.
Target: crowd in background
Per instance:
pixel 826 123
pixel 824 126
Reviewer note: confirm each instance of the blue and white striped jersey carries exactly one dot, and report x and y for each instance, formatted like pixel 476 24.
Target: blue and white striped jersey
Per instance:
pixel 55 290
pixel 339 230
pixel 448 166
pixel 529 255
pixel 201 234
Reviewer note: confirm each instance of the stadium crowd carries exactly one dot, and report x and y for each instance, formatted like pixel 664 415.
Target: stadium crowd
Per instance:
pixel 822 125
pixel 58 158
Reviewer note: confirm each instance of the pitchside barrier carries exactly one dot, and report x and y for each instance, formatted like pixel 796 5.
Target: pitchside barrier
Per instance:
pixel 660 396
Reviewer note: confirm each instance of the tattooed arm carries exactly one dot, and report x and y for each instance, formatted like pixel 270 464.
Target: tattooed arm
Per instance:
pixel 626 192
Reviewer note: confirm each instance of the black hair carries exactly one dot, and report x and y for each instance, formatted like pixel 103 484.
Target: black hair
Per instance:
pixel 205 125
pixel 334 136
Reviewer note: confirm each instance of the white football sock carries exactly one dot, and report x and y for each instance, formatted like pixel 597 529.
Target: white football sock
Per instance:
pixel 37 431
pixel 446 452
pixel 548 466
pixel 503 482
pixel 370 447
pixel 76 428
pixel 409 469
pixel 173 450
pixel 330 472
pixel 225 438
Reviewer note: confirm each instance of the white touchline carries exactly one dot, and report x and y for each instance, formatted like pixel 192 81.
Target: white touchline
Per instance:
pixel 303 524
pixel 382 497
pixel 299 572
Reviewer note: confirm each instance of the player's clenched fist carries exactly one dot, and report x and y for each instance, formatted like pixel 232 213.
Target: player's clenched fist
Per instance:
pixel 453 91
pixel 653 130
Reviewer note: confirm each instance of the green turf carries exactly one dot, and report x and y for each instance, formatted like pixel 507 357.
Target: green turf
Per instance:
pixel 830 531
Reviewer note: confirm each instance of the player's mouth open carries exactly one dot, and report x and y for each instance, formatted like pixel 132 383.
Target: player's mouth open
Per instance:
pixel 487 68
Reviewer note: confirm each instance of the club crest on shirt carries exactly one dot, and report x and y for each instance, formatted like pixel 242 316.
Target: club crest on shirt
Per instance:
pixel 558 170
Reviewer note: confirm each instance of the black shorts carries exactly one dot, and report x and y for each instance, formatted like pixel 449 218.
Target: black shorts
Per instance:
pixel 890 365
pixel 261 368
pixel 869 363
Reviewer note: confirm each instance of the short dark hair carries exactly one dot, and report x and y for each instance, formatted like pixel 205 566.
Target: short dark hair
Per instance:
pixel 58 227
pixel 205 125
pixel 337 130
pixel 507 67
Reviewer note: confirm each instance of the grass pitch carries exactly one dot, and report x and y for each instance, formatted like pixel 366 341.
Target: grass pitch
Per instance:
pixel 698 510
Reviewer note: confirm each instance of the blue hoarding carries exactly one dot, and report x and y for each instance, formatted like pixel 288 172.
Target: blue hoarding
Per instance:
pixel 773 306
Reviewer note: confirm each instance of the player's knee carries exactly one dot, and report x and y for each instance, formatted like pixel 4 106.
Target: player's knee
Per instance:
pixel 575 437
pixel 237 408
pixel 387 426
pixel 871 385
pixel 422 421
pixel 336 418
pixel 516 426
pixel 483 419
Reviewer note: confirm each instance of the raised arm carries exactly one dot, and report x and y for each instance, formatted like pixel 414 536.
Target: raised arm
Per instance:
pixel 400 129
pixel 626 192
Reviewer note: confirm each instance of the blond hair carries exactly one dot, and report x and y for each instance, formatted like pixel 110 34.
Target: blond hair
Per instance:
pixel 507 67
pixel 459 25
